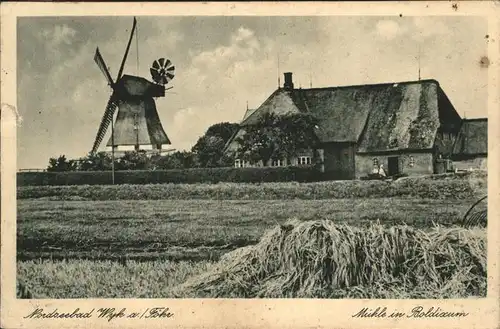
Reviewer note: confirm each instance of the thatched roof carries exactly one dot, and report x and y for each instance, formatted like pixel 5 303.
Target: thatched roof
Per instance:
pixel 248 112
pixel 379 117
pixel 402 116
pixel 278 103
pixel 472 138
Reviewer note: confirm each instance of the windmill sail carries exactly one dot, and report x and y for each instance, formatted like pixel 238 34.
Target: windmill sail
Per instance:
pixel 126 50
pixel 106 120
pixel 100 62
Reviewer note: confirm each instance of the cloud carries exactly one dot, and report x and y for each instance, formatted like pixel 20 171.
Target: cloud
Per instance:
pixel 164 43
pixel 188 124
pixel 388 29
pixel 58 35
pixel 243 34
pixel 244 46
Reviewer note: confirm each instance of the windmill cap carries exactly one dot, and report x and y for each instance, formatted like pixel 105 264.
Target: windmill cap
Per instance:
pixel 130 85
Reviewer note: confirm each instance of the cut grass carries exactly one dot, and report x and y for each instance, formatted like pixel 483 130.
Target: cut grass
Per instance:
pixel 312 259
pixel 323 259
pixel 196 229
pixel 105 279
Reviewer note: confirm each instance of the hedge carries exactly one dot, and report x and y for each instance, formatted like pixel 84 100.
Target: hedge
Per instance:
pixel 176 176
pixel 465 188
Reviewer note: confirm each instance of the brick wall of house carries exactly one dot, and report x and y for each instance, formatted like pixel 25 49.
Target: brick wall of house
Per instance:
pixel 422 163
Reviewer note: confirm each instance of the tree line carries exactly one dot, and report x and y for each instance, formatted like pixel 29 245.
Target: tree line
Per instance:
pixel 272 137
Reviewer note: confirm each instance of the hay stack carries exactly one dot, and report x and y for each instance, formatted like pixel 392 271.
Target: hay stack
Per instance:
pixel 320 259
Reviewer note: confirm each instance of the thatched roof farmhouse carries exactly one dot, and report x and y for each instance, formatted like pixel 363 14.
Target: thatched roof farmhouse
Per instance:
pixel 403 126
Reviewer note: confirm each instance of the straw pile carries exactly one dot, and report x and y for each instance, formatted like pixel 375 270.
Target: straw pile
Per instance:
pixel 320 259
pixel 22 291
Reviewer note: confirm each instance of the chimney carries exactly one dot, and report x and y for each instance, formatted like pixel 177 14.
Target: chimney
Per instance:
pixel 288 85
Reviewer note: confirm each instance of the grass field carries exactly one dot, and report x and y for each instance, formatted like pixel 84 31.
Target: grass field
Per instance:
pixel 106 279
pixel 196 229
pixel 145 240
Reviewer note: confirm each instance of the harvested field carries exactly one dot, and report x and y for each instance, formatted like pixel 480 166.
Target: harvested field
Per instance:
pixel 322 259
pixel 105 279
pixel 312 259
pixel 196 229
pixel 92 241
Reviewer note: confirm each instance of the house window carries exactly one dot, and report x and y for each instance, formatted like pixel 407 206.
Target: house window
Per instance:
pixel 278 163
pixel 304 160
pixel 412 161
pixel 237 163
pixel 245 164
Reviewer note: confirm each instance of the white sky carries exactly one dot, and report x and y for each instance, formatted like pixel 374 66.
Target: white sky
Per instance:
pixel 223 62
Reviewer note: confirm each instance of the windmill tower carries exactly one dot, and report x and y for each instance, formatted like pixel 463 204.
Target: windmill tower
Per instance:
pixel 137 124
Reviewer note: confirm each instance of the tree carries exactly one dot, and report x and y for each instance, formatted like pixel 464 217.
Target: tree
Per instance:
pixel 176 160
pixel 224 130
pixel 277 137
pixel 61 164
pixel 133 160
pixel 209 148
pixel 96 162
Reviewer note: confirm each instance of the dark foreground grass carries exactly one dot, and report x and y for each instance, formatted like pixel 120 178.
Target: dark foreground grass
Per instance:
pixel 196 229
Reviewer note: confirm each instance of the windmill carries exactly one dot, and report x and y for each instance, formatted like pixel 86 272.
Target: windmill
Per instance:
pixel 137 122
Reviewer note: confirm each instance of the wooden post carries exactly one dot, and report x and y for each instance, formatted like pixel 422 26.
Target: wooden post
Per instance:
pixel 112 152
